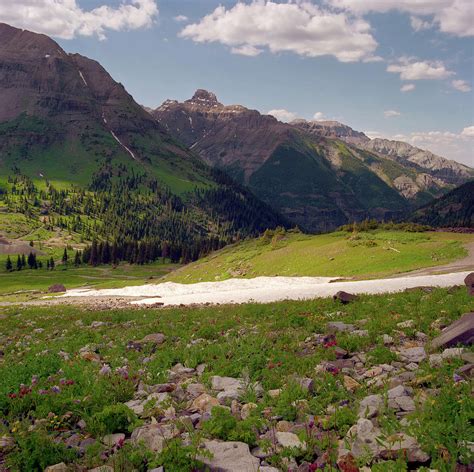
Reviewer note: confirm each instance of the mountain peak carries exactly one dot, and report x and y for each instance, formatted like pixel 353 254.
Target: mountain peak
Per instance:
pixel 203 97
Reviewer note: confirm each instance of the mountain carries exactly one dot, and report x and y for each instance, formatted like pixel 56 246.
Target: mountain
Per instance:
pixel 66 125
pixel 455 209
pixel 319 175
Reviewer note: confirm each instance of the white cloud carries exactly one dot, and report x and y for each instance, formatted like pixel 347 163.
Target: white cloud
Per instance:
pixel 418 24
pixel 318 116
pixel 299 27
pixel 461 85
pixel 457 146
pixel 180 18
pixel 66 19
pixel 246 50
pixel 407 87
pixel 414 69
pixel 454 17
pixel 283 115
pixel 468 131
pixel 391 113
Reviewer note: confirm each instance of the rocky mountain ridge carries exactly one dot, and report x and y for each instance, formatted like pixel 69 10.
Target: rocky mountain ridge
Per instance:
pixel 310 171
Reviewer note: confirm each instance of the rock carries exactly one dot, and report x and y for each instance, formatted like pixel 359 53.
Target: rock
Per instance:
pixel 137 406
pixel 90 356
pixel 157 469
pixel 61 467
pixel 247 409
pixel 413 354
pixel 468 357
pixel 345 297
pixel 231 456
pixel 406 324
pixel 393 446
pixel 155 338
pixel 6 443
pixel 459 332
pixel 195 389
pixel 370 406
pixel 154 435
pixel 452 352
pixel 469 281
pixel 204 403
pixel 362 438
pixel 387 340
pixel 466 371
pixel 347 463
pixel 267 468
pixel 56 288
pixel 226 383
pixel 228 396
pixel 274 393
pixel 305 383
pixel 340 326
pixel 350 384
pixel 284 426
pixel 113 439
pixel 404 403
pixel 286 439
pixel 102 468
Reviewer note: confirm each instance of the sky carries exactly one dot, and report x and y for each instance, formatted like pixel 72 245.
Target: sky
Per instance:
pixel 401 69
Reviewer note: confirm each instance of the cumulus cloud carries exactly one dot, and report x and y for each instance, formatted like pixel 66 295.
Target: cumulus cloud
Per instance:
pixel 454 17
pixel 180 18
pixel 318 116
pixel 418 24
pixel 407 87
pixel 391 113
pixel 283 115
pixel 461 85
pixel 66 19
pixel 458 146
pixel 414 69
pixel 299 27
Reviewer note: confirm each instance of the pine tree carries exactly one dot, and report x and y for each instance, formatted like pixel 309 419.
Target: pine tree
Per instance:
pixel 31 260
pixel 47 264
pixel 19 264
pixel 51 263
pixel 65 256
pixel 9 265
pixel 77 259
pixel 23 260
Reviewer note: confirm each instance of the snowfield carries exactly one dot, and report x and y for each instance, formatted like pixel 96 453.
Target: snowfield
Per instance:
pixel 265 289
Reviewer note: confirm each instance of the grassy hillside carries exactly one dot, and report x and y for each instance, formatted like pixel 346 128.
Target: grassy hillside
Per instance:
pixel 365 254
pixel 56 393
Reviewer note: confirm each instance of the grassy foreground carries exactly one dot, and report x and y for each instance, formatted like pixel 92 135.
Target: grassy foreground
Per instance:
pixel 366 254
pixel 48 385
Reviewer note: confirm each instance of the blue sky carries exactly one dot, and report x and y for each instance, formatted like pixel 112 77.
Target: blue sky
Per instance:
pixel 255 54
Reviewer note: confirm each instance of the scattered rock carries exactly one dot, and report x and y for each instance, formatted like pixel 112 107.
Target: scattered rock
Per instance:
pixel 350 384
pixel 231 456
pixel 402 444
pixel 345 297
pixel 113 439
pixel 286 439
pixel 61 467
pixel 226 383
pixel 459 332
pixel 6 443
pixel 406 324
pixel 102 468
pixel 370 406
pixel 469 281
pixel 57 288
pixel 413 354
pixel 204 403
pixel 340 326
pixel 155 338
pixel 247 409
pixel 154 435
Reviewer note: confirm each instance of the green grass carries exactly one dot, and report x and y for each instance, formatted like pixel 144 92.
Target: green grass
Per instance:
pixel 28 281
pixel 371 254
pixel 263 342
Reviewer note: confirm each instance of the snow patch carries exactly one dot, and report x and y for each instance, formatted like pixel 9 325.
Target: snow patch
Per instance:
pixel 265 289
pixel 123 145
pixel 83 79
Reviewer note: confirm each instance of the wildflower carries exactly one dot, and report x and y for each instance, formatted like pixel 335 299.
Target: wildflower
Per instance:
pixel 457 378
pixel 12 395
pixel 34 380
pixel 55 389
pixel 123 371
pixel 62 381
pixel 105 370
pixel 43 392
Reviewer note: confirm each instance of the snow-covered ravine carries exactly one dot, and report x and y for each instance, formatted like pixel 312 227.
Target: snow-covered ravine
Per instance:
pixel 264 289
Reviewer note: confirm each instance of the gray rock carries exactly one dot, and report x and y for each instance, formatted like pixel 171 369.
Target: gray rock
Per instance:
pixel 370 406
pixel 154 435
pixel 155 338
pixel 393 447
pixel 469 281
pixel 459 332
pixel 61 467
pixel 413 354
pixel 112 439
pixel 362 438
pixel 345 297
pixel 226 383
pixel 286 439
pixel 340 326
pixel 231 456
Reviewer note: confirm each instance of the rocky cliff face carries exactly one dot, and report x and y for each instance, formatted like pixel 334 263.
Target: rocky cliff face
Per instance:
pixel 331 129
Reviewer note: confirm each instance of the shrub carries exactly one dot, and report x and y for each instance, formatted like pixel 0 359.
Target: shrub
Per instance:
pixel 113 419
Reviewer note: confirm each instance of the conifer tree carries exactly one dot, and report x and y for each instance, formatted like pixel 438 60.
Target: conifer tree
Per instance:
pixel 9 265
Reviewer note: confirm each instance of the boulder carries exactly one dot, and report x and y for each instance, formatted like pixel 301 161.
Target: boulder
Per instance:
pixel 204 403
pixel 469 281
pixel 231 456
pixel 413 354
pixel 362 438
pixel 113 439
pixel 155 338
pixel 345 297
pixel 154 435
pixel 334 326
pixel 350 384
pixel 402 445
pixel 286 439
pixel 61 467
pixel 370 406
pixel 56 288
pixel 226 383
pixel 459 332
pixel 102 468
